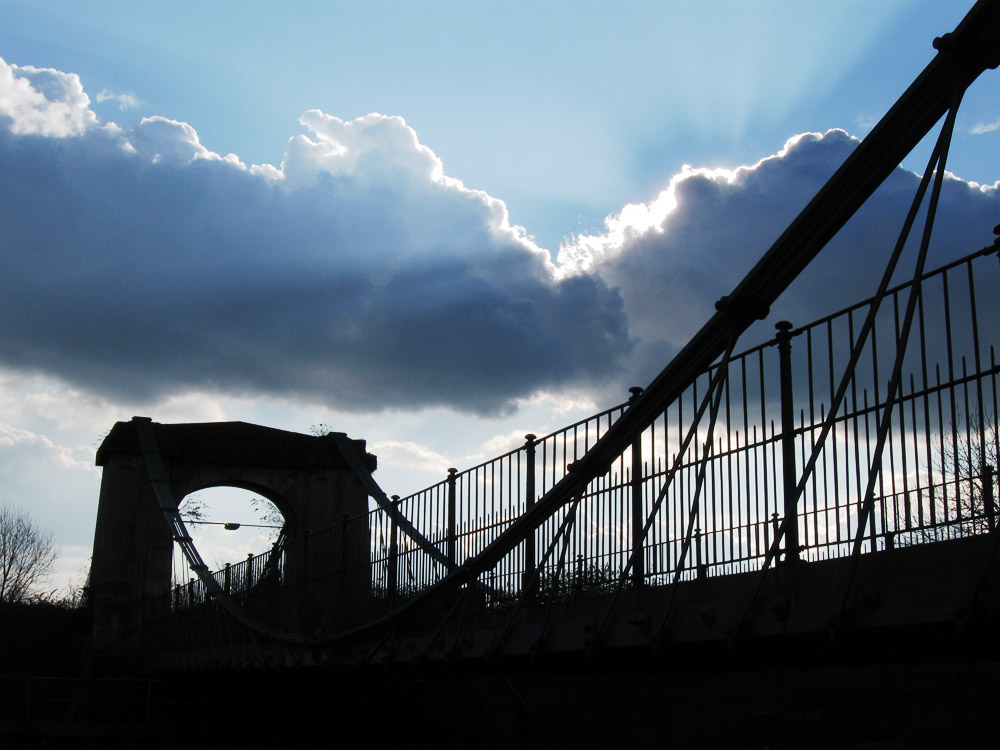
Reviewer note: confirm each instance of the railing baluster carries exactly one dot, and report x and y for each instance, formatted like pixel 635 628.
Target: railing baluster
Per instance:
pixel 937 477
pixel 638 516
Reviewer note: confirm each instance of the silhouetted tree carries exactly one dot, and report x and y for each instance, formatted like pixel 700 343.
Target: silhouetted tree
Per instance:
pixel 193 508
pixel 578 580
pixel 969 459
pixel 267 512
pixel 26 555
pixel 965 496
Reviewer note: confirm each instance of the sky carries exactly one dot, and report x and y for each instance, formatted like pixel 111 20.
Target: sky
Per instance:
pixel 437 226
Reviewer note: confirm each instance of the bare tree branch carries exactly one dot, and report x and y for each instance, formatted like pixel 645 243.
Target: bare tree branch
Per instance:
pixel 27 555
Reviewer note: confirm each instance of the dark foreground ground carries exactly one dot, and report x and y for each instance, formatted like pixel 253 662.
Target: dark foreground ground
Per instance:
pixel 920 689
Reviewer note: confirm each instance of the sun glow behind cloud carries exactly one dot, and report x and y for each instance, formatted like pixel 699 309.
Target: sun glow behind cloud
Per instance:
pixel 752 43
pixel 357 272
pixel 358 251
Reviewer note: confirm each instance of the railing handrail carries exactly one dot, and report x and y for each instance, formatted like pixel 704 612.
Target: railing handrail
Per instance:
pixel 507 472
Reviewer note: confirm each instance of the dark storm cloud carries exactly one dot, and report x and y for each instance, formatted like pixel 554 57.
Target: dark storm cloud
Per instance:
pixel 360 276
pixel 141 264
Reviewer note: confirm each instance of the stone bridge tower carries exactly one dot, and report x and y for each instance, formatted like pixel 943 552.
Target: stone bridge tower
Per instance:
pixel 306 477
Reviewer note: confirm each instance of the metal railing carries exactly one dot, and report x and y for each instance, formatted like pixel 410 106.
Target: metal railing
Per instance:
pixel 936 478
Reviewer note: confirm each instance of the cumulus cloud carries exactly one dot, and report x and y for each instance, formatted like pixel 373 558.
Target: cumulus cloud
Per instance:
pixel 43 101
pixel 140 263
pixel 672 258
pixel 164 141
pixel 357 274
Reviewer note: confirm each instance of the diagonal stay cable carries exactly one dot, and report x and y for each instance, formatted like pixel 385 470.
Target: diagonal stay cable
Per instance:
pixel 774 548
pixel 561 533
pixel 700 483
pixel 700 480
pixel 715 387
pixel 895 380
pixel 566 528
pixel 858 348
pixel 350 454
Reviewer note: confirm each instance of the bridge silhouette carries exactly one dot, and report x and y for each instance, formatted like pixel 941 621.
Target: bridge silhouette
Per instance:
pixel 826 497
pixel 710 497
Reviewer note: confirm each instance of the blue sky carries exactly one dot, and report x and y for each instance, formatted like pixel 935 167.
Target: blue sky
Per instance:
pixel 374 277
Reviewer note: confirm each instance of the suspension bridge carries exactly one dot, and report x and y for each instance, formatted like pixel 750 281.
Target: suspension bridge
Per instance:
pixel 821 498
